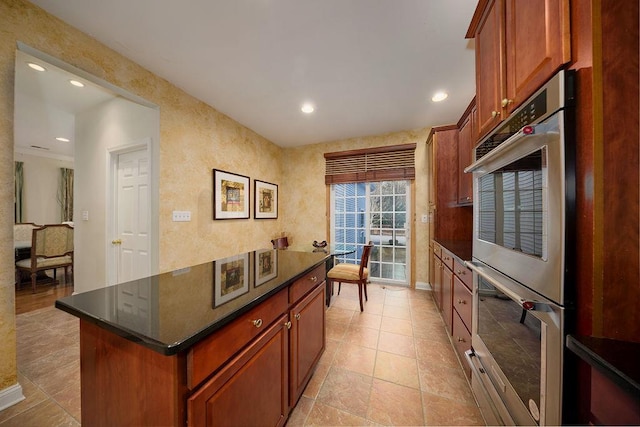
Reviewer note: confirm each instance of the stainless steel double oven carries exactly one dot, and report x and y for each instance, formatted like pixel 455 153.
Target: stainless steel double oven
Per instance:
pixel 523 258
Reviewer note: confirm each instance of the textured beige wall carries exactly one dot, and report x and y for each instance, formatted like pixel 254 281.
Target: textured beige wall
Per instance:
pixel 194 139
pixel 305 204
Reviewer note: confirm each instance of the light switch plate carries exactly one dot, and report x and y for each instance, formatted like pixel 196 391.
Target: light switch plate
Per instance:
pixel 181 216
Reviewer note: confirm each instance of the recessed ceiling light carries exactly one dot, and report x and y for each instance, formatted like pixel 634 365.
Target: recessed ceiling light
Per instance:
pixel 62 139
pixel 35 66
pixel 307 108
pixel 76 83
pixel 439 96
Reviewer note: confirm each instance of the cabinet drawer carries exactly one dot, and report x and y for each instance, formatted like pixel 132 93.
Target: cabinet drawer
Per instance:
pixel 461 341
pixel 447 259
pixel 303 285
pixel 209 355
pixel 463 273
pixel 462 299
pixel 437 250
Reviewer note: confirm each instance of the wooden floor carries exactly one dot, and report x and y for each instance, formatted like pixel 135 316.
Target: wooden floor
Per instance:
pixel 45 295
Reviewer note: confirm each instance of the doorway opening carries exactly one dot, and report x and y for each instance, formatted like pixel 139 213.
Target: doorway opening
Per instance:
pixel 375 212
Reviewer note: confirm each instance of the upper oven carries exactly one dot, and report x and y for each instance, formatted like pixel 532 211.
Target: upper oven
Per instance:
pixel 524 192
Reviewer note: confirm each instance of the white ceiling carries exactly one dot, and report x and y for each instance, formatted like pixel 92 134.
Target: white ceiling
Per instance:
pixel 368 66
pixel 46 105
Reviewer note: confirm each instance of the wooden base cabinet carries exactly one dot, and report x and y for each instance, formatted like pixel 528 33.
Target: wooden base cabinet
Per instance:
pixel 307 340
pixel 447 295
pixel 252 389
pixel 250 372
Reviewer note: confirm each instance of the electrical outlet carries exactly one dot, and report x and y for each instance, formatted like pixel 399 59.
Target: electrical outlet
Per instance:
pixel 425 218
pixel 181 216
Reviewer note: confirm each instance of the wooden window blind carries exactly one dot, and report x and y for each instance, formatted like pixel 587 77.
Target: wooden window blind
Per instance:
pixel 388 163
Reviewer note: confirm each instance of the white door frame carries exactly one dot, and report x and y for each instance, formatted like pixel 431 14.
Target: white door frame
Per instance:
pixel 111 221
pixel 408 230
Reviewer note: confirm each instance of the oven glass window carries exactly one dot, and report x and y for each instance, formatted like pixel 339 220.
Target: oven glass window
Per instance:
pixel 511 205
pixel 513 337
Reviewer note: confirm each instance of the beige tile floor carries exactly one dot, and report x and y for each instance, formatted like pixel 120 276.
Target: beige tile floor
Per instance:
pixel 391 365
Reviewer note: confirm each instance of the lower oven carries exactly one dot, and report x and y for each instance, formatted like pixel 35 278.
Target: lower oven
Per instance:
pixel 517 351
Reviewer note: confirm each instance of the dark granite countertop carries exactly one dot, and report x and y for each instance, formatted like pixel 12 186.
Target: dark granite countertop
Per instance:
pixel 459 248
pixel 171 312
pixel 617 360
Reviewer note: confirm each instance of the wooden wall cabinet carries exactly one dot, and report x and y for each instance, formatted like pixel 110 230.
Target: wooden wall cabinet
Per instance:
pixel 466 142
pixel 519 46
pixel 450 221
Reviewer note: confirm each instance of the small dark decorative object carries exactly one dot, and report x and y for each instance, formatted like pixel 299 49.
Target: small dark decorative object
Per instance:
pixel 317 244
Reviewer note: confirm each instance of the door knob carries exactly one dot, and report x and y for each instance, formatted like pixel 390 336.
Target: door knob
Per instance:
pixel 116 242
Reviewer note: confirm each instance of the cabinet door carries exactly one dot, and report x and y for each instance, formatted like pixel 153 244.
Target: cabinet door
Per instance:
pixel 489 67
pixel 437 282
pixel 537 44
pixel 461 340
pixel 252 389
pixel 447 296
pixel 465 147
pixel 307 340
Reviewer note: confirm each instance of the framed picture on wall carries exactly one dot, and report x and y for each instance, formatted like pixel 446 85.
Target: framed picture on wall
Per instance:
pixel 266 200
pixel 266 265
pixel 230 278
pixel 230 195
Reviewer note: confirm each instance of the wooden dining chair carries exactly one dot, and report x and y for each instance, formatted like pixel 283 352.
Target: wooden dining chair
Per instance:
pixel 51 248
pixel 353 273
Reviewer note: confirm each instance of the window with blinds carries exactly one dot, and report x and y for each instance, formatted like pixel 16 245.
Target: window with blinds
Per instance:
pixel 396 162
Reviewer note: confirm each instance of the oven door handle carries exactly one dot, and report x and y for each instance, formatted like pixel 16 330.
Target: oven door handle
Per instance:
pixel 526 304
pixel 532 131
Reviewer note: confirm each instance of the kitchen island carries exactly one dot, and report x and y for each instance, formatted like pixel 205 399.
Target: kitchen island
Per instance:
pixel 233 341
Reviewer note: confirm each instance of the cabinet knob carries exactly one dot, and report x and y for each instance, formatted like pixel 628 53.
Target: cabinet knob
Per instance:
pixel 116 242
pixel 495 114
pixel 288 324
pixel 297 316
pixel 257 323
pixel 460 339
pixel 506 101
pixel 461 301
pixel 314 278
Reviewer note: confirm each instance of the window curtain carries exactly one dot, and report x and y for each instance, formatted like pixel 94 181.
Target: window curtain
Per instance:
pixel 389 163
pixel 65 194
pixel 19 190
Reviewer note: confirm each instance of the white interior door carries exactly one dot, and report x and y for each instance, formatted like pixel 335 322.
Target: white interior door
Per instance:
pixel 131 243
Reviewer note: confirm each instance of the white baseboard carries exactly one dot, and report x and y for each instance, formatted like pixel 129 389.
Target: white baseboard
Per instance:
pixel 423 286
pixel 10 396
